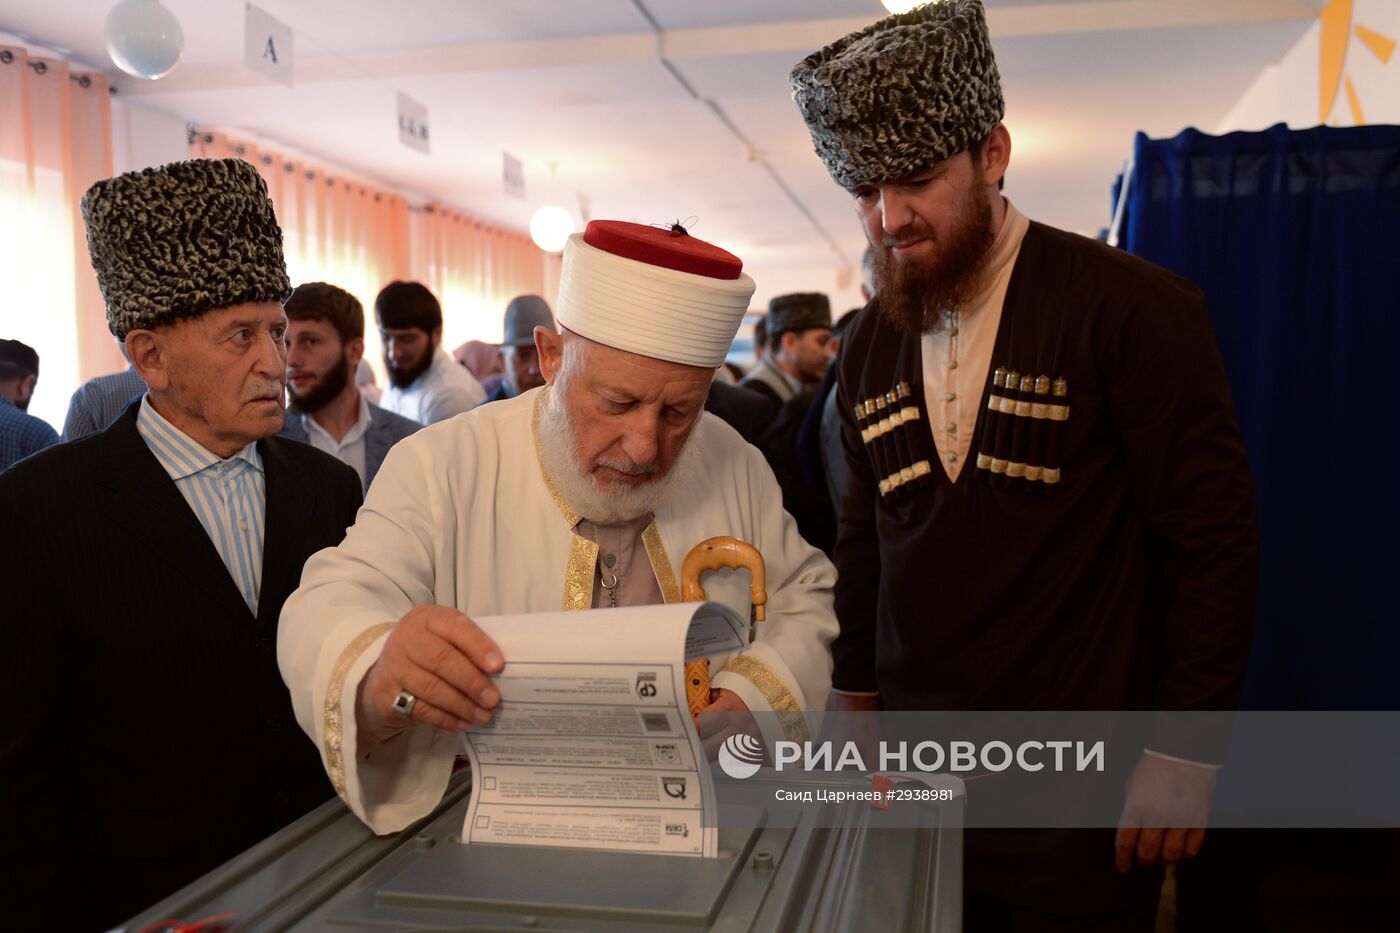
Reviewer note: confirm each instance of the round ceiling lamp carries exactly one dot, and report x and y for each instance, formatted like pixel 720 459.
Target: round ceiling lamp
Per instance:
pixel 902 6
pixel 143 38
pixel 551 227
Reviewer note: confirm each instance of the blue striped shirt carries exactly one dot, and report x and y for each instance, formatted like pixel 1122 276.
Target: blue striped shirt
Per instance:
pixel 21 434
pixel 229 497
pixel 99 401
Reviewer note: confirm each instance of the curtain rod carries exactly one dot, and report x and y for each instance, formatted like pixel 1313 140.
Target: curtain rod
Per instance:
pixel 41 68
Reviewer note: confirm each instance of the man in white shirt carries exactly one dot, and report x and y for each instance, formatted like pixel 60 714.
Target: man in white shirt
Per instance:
pixel 425 383
pixel 325 343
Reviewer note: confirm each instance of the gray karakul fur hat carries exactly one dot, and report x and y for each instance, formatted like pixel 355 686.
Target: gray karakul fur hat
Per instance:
pixel 180 240
pixel 891 99
pixel 798 311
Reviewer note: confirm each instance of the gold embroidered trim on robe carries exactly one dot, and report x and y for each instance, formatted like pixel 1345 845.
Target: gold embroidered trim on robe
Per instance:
pixel 661 564
pixel 774 691
pixel 578 572
pixel 570 515
pixel 330 708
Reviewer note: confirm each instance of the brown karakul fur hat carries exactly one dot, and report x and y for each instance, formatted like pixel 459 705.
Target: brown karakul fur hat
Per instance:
pixel 891 99
pixel 180 240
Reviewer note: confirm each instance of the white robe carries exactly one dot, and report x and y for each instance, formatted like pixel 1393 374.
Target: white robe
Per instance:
pixel 461 515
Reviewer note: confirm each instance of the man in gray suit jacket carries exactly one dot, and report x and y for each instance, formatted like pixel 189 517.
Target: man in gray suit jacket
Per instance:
pixel 325 341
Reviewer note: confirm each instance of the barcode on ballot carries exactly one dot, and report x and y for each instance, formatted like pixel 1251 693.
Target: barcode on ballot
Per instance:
pixel 655 722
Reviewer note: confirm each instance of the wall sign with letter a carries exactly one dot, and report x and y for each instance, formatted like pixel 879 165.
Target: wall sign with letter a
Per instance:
pixel 267 46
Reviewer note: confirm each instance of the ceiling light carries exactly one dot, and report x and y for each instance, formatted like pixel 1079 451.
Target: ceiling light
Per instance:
pixel 144 38
pixel 551 227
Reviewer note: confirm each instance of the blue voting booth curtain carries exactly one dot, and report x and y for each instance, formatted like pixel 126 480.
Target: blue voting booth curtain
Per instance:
pixel 1295 238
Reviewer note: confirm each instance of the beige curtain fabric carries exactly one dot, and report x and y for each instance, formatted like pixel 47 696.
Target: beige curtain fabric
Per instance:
pixel 55 141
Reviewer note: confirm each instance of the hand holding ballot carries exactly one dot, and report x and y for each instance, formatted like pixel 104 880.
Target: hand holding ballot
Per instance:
pixel 433 670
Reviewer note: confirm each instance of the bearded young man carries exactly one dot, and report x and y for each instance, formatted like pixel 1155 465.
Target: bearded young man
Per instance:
pixel 325 343
pixel 1049 504
pixel 586 492
pixel 425 383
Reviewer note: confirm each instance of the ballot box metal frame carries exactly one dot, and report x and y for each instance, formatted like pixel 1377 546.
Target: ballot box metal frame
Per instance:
pixel 851 869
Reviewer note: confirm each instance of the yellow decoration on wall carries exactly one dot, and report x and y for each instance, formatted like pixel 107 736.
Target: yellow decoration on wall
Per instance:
pixel 1380 46
pixel 1336 29
pixel 1354 102
pixel 1336 35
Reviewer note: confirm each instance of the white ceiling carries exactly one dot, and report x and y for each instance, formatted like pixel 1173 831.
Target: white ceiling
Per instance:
pixel 579 82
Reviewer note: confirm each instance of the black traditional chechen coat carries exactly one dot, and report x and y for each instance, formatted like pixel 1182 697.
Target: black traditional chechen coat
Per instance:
pixel 1099 548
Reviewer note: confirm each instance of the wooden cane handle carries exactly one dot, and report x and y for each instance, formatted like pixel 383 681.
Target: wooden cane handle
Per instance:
pixel 716 554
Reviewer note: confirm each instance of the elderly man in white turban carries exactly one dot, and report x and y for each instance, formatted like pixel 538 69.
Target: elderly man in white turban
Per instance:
pixel 584 493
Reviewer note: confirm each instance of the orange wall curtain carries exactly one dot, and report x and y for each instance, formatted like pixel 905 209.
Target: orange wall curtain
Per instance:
pixel 335 228
pixel 474 268
pixel 339 229
pixel 55 141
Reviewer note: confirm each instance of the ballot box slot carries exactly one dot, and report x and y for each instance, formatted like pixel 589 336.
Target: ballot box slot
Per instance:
pixel 576 883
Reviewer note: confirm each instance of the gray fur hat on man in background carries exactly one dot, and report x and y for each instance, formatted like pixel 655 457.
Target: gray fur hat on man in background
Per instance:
pixel 176 241
pixel 889 100
pixel 797 311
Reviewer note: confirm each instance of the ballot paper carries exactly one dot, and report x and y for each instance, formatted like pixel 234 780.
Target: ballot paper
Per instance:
pixel 592 744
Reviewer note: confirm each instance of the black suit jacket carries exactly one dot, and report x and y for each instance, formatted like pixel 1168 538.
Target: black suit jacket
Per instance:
pixel 147 734
pixel 745 409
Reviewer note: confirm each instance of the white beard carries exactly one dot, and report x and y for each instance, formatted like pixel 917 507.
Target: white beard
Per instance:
pixel 614 503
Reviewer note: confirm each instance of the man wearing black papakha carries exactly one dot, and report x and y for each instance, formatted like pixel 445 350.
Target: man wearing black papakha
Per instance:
pixel 1050 506
pixel 149 736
